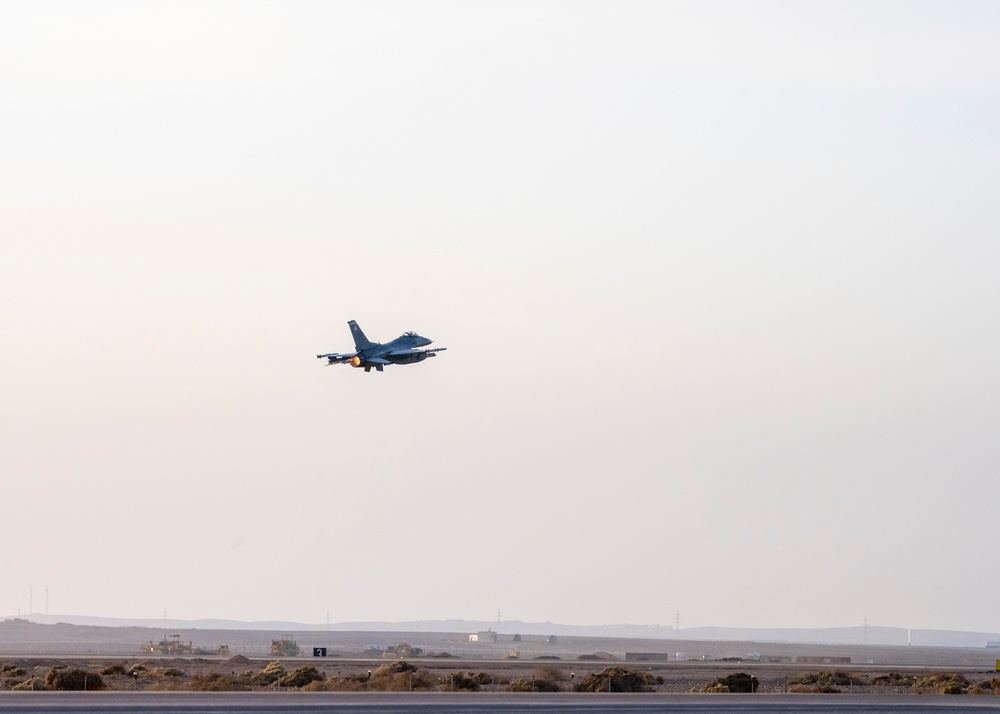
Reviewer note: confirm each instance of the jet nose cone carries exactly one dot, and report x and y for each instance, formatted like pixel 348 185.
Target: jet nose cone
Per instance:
pixel 426 342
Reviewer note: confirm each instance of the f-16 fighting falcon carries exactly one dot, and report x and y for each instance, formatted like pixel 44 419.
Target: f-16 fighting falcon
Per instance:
pixel 402 350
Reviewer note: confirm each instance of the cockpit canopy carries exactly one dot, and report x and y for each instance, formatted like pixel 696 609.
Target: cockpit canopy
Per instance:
pixel 410 333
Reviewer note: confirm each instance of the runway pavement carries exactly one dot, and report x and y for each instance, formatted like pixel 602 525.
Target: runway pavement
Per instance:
pixel 478 703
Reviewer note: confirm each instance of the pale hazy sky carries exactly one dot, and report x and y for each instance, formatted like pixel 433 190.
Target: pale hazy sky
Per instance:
pixel 718 283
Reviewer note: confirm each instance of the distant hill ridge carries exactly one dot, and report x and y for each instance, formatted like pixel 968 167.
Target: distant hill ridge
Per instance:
pixel 828 635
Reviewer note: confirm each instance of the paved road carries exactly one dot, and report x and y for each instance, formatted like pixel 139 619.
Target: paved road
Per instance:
pixel 479 703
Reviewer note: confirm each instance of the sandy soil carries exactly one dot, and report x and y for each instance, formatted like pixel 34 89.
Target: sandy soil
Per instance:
pixel 30 650
pixel 178 673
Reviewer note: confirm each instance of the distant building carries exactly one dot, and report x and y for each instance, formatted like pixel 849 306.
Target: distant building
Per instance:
pixel 488 636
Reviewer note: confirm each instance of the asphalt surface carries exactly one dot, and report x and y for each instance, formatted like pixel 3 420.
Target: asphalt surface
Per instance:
pixel 477 703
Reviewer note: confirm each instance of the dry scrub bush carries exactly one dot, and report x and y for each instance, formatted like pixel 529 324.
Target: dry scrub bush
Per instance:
pixel 462 682
pixel 837 678
pixel 215 682
pixel 617 679
pixel 397 667
pixel 892 679
pixel 550 673
pixel 351 683
pixel 270 674
pixel 12 676
pixel 169 672
pixel 400 676
pixel 301 677
pixel 991 686
pixel 36 684
pixel 112 669
pixel 738 682
pixel 73 680
pixel 947 683
pixel 813 689
pixel 533 685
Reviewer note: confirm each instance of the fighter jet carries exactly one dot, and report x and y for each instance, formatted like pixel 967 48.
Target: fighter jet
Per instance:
pixel 402 350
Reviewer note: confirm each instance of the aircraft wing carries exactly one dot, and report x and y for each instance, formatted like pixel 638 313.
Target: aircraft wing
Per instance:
pixel 336 358
pixel 410 351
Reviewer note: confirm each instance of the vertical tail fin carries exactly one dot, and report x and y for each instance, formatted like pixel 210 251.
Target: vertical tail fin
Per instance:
pixel 360 341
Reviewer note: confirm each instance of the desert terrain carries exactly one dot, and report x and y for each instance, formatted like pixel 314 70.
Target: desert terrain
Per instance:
pixel 62 656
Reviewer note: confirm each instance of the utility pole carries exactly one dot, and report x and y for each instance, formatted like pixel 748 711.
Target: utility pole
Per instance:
pixel 46 600
pixel 677 624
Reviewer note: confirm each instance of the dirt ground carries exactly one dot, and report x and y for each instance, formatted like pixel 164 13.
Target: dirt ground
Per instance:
pixel 32 654
pixel 182 673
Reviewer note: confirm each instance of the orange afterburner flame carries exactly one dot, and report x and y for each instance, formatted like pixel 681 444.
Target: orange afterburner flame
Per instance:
pixel 354 361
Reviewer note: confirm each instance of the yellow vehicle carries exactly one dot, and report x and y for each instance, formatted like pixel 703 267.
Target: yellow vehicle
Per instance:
pixel 170 645
pixel 285 647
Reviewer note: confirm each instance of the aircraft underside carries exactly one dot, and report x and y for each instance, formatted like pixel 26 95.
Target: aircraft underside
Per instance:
pixel 378 363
